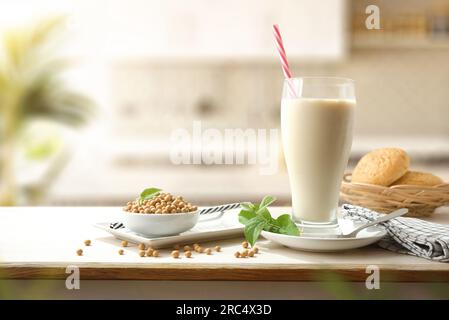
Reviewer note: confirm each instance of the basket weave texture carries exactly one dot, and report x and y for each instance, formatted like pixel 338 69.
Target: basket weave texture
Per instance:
pixel 421 201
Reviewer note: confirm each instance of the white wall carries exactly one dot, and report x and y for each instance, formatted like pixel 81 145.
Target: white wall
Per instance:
pixel 113 29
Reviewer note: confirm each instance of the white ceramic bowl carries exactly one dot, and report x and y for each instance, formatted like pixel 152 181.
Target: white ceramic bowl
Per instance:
pixel 159 225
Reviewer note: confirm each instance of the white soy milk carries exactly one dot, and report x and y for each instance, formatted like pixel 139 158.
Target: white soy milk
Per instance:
pixel 316 137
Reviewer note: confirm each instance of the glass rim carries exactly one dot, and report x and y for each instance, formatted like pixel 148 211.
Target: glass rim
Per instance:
pixel 347 80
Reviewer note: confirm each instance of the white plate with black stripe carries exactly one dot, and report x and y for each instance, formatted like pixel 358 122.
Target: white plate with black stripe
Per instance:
pixel 211 224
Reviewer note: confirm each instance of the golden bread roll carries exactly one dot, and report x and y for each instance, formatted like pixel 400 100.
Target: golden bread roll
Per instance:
pixel 381 166
pixel 416 178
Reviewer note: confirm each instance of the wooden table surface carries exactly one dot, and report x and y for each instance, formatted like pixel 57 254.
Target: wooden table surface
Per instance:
pixel 40 242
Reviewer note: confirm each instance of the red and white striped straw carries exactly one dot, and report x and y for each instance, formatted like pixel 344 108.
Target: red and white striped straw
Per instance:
pixel 283 58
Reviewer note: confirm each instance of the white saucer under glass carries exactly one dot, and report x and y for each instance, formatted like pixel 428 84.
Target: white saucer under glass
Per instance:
pixel 326 239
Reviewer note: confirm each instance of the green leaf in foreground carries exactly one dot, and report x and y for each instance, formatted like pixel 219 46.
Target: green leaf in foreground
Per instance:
pixel 266 201
pixel 257 217
pixel 269 223
pixel 248 206
pixel 149 193
pixel 286 225
pixel 253 229
pixel 245 216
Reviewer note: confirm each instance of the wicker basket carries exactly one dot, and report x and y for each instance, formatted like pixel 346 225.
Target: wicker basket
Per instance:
pixel 420 200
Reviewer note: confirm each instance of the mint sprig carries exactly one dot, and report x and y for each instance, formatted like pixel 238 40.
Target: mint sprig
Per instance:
pixel 257 217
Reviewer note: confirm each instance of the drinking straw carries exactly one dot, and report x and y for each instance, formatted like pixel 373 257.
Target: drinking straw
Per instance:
pixel 283 58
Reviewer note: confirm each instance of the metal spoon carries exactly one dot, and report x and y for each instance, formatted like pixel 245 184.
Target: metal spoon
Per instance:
pixel 392 215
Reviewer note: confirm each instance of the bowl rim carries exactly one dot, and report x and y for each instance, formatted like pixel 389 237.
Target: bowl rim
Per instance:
pixel 177 214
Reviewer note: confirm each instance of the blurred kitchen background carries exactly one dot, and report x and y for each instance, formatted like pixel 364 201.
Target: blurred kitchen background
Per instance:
pixel 139 69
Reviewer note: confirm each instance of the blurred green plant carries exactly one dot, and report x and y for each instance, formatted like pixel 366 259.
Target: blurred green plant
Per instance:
pixel 31 86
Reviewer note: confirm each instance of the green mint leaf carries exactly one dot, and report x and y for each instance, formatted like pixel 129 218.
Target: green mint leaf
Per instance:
pixel 283 220
pixel 245 216
pixel 266 201
pixel 149 193
pixel 253 229
pixel 257 217
pixel 287 225
pixel 265 215
pixel 248 206
pixel 269 222
pixel 291 230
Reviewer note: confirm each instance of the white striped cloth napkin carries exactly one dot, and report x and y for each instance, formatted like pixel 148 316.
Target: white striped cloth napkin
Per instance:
pixel 408 235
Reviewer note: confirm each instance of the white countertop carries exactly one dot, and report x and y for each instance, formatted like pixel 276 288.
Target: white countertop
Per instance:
pixel 40 239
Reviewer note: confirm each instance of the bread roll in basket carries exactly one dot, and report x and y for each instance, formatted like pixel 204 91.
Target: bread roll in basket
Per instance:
pixel 420 200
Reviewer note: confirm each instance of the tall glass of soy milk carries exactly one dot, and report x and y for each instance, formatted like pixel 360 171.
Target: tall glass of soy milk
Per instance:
pixel 317 115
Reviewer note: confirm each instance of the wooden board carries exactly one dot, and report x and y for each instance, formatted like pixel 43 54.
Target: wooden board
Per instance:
pixel 220 273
